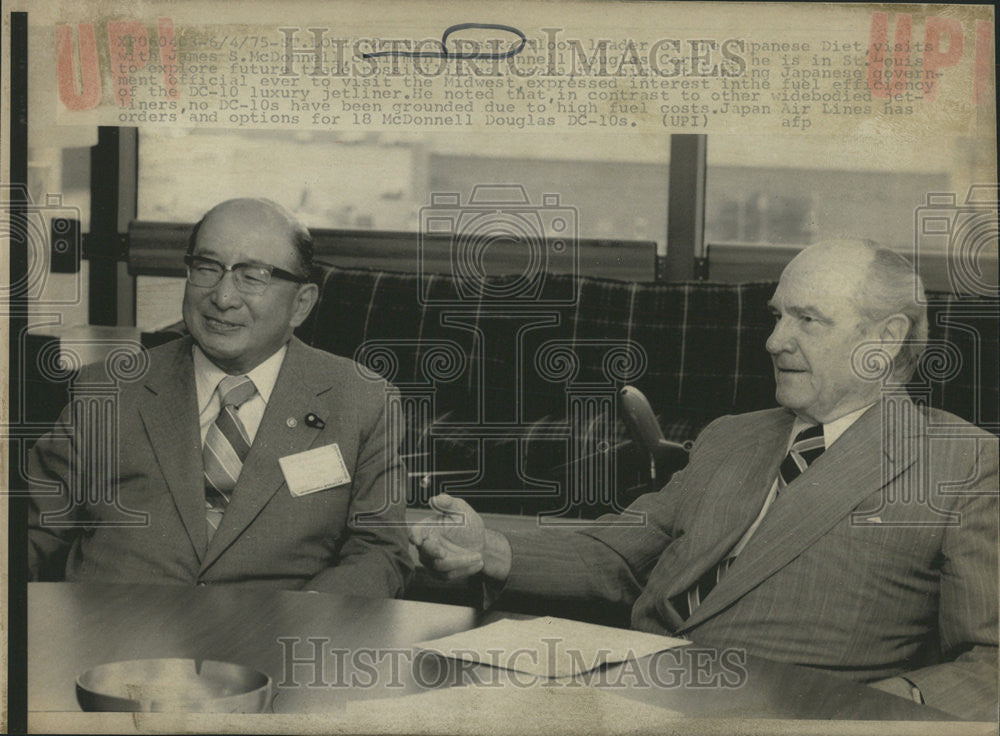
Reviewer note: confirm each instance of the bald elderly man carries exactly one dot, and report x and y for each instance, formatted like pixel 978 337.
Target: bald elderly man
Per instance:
pixel 838 531
pixel 256 460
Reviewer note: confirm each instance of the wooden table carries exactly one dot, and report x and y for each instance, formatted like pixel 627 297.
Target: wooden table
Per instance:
pixel 337 640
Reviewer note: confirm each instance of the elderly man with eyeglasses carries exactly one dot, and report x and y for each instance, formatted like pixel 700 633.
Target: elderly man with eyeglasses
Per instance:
pixel 253 458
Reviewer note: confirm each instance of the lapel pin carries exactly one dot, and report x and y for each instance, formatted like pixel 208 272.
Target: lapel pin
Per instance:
pixel 314 421
pixel 290 422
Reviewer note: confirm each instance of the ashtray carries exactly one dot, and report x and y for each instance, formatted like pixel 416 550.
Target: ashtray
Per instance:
pixel 164 685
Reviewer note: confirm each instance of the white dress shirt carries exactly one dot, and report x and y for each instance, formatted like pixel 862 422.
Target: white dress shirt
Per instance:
pixel 831 433
pixel 207 376
pixel 831 430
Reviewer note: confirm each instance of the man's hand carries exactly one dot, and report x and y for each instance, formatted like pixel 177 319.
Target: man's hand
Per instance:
pixel 454 543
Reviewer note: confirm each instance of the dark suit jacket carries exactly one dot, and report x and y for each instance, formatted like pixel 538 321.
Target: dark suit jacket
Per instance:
pixel 348 538
pixel 879 560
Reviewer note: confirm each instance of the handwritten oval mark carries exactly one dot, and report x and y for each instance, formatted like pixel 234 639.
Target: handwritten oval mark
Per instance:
pixel 445 54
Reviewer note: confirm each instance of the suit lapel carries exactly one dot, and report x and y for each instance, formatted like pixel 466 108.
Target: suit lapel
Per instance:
pixel 170 415
pixel 733 499
pixel 292 398
pixel 857 465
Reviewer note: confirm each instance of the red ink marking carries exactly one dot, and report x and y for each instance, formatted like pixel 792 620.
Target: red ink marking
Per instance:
pixel 89 94
pixel 886 83
pixel 984 60
pixel 934 60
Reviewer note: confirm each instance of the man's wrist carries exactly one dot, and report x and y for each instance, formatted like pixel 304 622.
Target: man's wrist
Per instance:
pixel 496 556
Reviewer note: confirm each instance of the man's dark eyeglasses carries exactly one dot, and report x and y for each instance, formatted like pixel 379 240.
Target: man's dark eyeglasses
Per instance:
pixel 250 278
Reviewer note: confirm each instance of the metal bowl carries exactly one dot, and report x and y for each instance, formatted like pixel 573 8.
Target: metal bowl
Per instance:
pixel 166 685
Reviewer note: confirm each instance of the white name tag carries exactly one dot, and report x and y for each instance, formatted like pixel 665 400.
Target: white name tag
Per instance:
pixel 314 470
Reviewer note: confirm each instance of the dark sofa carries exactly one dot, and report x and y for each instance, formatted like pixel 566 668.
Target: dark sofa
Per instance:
pixel 509 386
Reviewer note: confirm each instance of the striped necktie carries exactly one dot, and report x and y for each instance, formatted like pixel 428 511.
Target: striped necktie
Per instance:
pixel 808 445
pixel 226 447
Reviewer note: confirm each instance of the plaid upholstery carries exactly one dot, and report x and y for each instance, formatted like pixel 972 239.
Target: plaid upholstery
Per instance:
pixel 703 344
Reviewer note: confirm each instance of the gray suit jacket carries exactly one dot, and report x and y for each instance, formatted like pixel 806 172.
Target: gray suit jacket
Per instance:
pixel 348 538
pixel 879 560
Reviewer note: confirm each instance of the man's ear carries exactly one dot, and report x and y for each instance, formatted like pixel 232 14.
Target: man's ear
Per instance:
pixel 305 300
pixel 892 331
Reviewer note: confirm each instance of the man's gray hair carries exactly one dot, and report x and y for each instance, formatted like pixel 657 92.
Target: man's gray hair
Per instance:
pixel 893 286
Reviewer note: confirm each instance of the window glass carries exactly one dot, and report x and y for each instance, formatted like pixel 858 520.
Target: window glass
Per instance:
pixel 328 180
pixel 381 180
pixel 782 190
pixel 796 190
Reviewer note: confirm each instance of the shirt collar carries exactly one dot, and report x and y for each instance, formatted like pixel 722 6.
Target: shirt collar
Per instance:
pixel 207 375
pixel 831 430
